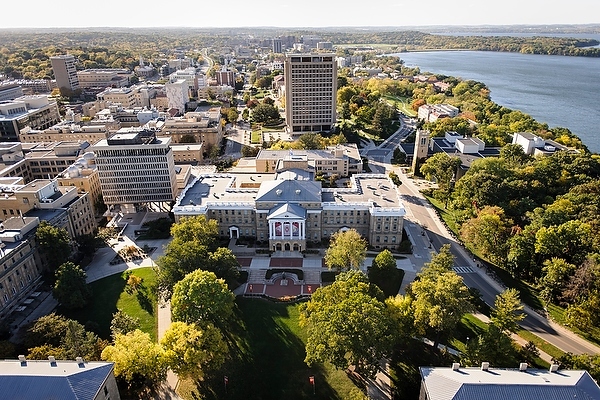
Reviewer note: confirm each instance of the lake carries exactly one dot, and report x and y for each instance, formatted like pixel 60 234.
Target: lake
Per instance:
pixel 557 90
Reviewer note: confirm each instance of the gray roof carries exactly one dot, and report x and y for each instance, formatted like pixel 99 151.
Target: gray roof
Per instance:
pixel 65 380
pixel 287 210
pixel 508 384
pixel 294 191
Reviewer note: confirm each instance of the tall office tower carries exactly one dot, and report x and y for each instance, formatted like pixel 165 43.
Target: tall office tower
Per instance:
pixel 135 167
pixel 65 72
pixel 310 92
pixel 277 45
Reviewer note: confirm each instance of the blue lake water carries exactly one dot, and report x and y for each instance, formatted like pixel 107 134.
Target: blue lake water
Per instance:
pixel 557 90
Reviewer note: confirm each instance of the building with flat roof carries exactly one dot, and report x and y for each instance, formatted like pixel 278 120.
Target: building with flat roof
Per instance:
pixel 135 167
pixel 58 379
pixel 36 112
pixel 10 90
pixel 66 131
pixel 289 209
pixel 202 126
pixel 65 72
pixel 456 383
pixel 104 77
pixel 432 112
pixel 20 266
pixel 310 92
pixel 47 160
pixel 342 160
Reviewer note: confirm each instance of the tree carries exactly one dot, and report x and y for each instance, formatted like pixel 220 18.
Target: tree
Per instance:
pixel 265 113
pixel 249 151
pixel 46 330
pixel 556 274
pixel 440 263
pixel 193 238
pixel 348 324
pixel 71 289
pixel 223 263
pixel 311 141
pixel 383 271
pixel 190 351
pixel 489 232
pixel 571 241
pixel 200 297
pixel 139 362
pixel 442 168
pixel 54 244
pixel 347 250
pixel 493 346
pixel 123 323
pixel 507 311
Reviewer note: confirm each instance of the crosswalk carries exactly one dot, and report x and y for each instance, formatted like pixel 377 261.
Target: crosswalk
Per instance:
pixel 464 270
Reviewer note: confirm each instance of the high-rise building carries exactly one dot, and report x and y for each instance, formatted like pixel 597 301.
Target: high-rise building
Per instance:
pixel 277 45
pixel 135 167
pixel 65 71
pixel 311 86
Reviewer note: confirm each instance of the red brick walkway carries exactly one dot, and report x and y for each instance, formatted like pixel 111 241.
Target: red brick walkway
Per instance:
pixel 244 262
pixel 286 262
pixel 277 290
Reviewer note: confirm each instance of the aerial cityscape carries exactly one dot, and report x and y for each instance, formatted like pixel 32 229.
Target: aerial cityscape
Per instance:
pixel 390 208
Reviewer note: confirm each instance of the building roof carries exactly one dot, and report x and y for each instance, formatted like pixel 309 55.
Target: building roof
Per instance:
pixel 63 380
pixel 287 210
pixel 501 384
pixel 294 191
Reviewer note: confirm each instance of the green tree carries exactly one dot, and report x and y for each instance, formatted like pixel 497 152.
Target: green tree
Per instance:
pixel 54 244
pixel 70 288
pixel 190 351
pixel 223 263
pixel 383 271
pixel 346 250
pixel 123 323
pixel 347 325
pixel 555 276
pixel 264 113
pixel 311 141
pixel 442 168
pixel 49 329
pixel 200 297
pixel 507 311
pixel 493 346
pixel 571 241
pixel 489 232
pixel 139 362
pixel 249 151
pixel 440 263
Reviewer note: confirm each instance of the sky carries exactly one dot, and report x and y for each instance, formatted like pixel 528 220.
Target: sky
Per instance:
pixel 295 14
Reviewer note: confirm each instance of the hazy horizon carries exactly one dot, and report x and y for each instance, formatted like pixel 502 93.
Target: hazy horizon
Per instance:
pixel 308 14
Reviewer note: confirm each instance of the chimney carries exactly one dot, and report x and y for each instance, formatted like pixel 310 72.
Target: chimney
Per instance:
pixel 455 366
pixel 553 367
pixel 523 367
pixel 23 361
pixel 485 366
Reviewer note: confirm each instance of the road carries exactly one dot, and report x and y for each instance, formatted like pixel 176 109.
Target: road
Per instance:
pixel 420 211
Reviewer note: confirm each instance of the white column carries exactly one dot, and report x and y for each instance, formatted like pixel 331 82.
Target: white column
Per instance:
pixel 270 230
pixel 303 230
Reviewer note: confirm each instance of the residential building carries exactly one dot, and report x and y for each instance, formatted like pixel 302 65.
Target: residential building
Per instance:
pixel 58 379
pixel 277 45
pixel 311 88
pixel 343 160
pixel 104 77
pixel 225 77
pixel 65 72
pixel 432 112
pixel 289 209
pixel 83 175
pixel 456 383
pixel 20 267
pixel 135 167
pixel 36 112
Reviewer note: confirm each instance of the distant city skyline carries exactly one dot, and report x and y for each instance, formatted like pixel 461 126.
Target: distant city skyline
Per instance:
pixel 293 14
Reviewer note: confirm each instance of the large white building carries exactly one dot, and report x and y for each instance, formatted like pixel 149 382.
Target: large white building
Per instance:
pixel 35 112
pixel 311 92
pixel 177 94
pixel 65 72
pixel 135 167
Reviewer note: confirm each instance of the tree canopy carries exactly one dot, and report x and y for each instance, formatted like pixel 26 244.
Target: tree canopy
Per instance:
pixel 347 249
pixel 54 244
pixel 71 288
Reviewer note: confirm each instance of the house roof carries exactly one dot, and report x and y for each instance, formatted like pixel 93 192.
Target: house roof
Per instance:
pixel 63 380
pixel 503 384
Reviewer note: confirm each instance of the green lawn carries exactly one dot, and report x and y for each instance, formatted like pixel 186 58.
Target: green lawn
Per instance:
pixel 256 137
pixel 403 104
pixel 266 360
pixel 109 294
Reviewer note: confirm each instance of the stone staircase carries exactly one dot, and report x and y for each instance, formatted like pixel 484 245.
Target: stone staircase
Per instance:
pixel 312 276
pixel 256 275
